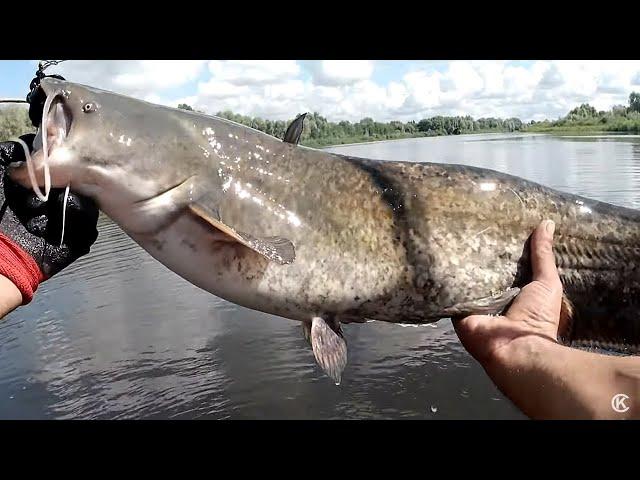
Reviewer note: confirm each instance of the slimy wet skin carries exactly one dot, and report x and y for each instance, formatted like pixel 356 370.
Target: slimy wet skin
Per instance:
pixel 328 239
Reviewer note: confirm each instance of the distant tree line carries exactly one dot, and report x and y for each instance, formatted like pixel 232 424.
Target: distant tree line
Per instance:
pixel 14 121
pixel 620 118
pixel 318 131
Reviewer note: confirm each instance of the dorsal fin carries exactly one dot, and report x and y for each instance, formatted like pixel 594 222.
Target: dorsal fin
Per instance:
pixel 294 132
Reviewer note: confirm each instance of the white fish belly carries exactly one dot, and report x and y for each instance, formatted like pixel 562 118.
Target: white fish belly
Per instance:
pixel 204 257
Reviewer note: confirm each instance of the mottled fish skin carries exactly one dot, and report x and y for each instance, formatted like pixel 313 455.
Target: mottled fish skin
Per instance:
pixel 467 230
pixel 392 241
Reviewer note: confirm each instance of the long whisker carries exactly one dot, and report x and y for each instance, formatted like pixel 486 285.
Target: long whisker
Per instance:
pixel 32 175
pixel 45 147
pixel 64 212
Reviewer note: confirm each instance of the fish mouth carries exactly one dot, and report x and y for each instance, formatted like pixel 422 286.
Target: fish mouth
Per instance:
pixel 56 125
pixel 52 134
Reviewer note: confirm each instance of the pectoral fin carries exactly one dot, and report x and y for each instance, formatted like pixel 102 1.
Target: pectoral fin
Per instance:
pixel 195 194
pixel 491 305
pixel 276 249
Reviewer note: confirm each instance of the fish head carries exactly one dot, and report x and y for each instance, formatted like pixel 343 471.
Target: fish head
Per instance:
pixel 88 135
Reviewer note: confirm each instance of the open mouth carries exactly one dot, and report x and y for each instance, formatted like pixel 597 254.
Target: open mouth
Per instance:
pixel 56 123
pixel 54 129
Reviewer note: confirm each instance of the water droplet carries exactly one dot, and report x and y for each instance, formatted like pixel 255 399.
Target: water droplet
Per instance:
pixel 434 409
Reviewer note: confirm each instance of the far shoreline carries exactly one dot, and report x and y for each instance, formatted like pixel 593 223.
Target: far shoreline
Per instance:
pixel 418 136
pixel 577 133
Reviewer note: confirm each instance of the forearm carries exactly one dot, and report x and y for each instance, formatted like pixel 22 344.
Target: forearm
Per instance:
pixel 10 296
pixel 550 381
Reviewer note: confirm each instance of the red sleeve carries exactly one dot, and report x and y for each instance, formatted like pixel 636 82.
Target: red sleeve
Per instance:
pixel 19 267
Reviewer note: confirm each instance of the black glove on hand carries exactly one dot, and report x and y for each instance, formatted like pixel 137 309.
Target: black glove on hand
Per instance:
pixel 36 226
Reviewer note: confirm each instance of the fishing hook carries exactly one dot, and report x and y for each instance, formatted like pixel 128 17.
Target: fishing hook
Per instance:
pixel 36 96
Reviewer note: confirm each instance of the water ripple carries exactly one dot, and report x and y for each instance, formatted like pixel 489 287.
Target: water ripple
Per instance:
pixel 119 336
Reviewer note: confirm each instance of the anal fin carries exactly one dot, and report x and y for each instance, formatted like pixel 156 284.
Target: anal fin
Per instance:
pixel 329 347
pixel 491 305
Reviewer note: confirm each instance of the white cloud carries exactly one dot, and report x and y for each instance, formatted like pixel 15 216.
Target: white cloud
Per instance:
pixel 287 90
pixel 423 91
pixel 341 72
pixel 349 90
pixel 252 72
pixel 131 77
pixel 537 90
pixel 493 79
pixel 215 88
pixel 464 79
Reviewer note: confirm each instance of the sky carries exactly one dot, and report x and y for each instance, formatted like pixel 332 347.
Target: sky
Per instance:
pixel 351 90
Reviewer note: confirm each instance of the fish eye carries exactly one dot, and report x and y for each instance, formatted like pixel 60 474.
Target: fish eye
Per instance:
pixel 88 107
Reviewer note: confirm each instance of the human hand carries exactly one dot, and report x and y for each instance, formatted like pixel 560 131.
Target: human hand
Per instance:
pixel 521 354
pixel 533 316
pixel 36 228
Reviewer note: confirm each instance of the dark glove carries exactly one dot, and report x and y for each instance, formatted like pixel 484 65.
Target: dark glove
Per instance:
pixel 30 229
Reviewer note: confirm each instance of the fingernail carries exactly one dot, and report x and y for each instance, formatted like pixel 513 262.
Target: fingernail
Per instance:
pixel 550 227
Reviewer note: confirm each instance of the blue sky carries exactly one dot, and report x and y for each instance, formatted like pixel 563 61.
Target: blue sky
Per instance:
pixel 351 90
pixel 15 76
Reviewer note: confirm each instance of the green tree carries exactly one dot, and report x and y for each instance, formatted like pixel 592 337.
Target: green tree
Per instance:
pixel 184 106
pixel 583 111
pixel 14 121
pixel 318 131
pixel 619 110
pixel 634 102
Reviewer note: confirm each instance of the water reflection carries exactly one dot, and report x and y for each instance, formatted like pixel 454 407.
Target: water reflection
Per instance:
pixel 117 335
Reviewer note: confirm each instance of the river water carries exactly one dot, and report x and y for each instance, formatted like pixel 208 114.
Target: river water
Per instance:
pixel 117 335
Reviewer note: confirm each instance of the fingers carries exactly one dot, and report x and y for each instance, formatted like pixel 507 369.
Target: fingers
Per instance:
pixel 19 174
pixel 538 304
pixel 10 152
pixel 535 311
pixel 543 262
pixel 465 324
pixel 475 333
pixel 81 220
pixel 28 138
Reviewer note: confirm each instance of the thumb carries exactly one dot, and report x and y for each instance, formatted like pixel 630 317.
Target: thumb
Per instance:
pixel 543 262
pixel 539 302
